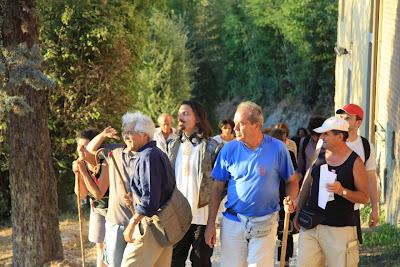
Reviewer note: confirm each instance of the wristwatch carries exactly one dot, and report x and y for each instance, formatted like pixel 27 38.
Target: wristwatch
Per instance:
pixel 344 192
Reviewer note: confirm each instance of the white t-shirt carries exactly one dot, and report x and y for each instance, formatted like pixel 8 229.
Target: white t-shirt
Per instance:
pixel 189 185
pixel 358 147
pixel 220 140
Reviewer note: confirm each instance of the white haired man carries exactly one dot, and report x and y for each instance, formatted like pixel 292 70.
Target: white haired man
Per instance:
pixel 147 173
pixel 253 165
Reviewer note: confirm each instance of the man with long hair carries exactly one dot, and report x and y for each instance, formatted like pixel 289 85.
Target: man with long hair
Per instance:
pixel 192 155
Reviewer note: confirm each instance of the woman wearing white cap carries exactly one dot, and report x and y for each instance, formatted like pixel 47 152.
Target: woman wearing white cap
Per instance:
pixel 339 179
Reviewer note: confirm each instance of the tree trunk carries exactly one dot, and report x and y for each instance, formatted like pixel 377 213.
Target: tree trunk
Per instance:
pixel 36 235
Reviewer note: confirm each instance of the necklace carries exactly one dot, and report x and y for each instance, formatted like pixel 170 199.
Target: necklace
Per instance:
pixel 186 151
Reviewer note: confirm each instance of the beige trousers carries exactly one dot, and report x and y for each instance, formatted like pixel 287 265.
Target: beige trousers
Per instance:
pixel 145 251
pixel 336 246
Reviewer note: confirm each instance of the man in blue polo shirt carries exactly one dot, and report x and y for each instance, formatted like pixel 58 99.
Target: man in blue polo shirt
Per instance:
pixel 253 165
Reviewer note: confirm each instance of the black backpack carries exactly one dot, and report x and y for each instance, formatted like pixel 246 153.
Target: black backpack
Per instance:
pixel 367 149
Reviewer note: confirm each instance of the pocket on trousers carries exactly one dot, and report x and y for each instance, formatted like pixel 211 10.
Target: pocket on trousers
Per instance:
pixel 262 229
pixel 139 232
pixel 352 254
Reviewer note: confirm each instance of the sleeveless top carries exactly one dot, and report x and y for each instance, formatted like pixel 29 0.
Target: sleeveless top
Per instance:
pixel 98 203
pixel 340 211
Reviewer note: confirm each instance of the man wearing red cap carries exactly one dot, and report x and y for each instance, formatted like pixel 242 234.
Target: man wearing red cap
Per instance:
pixel 354 114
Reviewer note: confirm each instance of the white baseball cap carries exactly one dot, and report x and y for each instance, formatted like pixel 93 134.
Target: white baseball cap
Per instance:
pixel 333 123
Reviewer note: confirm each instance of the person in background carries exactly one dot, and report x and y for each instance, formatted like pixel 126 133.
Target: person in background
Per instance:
pixel 94 185
pixel 165 132
pixel 308 145
pixel 301 132
pixel 226 131
pixel 291 145
pixel 280 135
pixel 226 135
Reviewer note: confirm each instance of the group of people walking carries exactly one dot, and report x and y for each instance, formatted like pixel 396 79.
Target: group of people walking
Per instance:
pixel 254 175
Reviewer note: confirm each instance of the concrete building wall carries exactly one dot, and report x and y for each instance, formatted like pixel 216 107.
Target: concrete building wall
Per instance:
pixel 387 115
pixel 353 84
pixel 352 78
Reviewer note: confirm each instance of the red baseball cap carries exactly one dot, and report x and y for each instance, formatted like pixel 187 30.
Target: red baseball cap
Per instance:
pixel 351 109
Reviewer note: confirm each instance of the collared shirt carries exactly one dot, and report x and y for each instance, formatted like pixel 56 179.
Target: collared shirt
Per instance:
pixel 153 179
pixel 118 212
pixel 161 141
pixel 253 176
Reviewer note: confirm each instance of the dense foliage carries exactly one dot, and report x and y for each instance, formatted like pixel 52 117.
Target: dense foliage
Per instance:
pixel 111 56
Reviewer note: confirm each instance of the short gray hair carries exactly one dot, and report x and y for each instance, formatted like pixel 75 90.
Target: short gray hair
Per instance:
pixel 255 112
pixel 143 123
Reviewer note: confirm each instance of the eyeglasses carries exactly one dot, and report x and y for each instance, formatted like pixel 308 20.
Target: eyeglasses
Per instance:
pixel 127 133
pixel 130 133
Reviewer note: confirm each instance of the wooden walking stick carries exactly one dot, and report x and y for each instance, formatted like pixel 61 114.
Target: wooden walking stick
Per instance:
pixel 284 237
pixel 78 198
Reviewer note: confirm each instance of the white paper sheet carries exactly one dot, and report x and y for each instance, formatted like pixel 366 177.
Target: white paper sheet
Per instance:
pixel 326 177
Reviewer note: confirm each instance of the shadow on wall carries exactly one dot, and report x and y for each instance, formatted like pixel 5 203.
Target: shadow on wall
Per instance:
pixel 393 129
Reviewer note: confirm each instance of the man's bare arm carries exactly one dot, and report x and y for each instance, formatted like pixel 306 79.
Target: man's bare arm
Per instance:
pixel 373 188
pixel 215 200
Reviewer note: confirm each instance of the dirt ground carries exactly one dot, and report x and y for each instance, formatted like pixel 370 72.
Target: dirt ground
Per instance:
pixel 384 256
pixel 71 244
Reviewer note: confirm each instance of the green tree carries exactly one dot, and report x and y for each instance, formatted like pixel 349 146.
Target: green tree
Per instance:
pixel 92 51
pixel 308 28
pixel 204 20
pixel 166 74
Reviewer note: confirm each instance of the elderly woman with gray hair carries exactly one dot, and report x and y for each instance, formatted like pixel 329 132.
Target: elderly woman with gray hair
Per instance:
pixel 338 180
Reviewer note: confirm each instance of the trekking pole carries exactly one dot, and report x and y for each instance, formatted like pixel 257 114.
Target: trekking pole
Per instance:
pixel 80 221
pixel 122 180
pixel 284 238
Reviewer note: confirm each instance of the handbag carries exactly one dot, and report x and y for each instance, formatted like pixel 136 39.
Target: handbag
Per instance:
pixel 172 221
pixel 310 217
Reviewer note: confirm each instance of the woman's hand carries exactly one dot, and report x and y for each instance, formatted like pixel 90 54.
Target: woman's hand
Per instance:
pixel 110 132
pixel 75 168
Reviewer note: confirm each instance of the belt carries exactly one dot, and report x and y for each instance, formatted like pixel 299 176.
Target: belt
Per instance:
pixel 231 211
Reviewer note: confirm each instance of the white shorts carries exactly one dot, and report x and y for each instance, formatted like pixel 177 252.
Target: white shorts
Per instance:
pixel 97 225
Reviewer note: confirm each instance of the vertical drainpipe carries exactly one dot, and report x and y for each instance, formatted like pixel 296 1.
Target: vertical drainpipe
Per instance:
pixel 377 35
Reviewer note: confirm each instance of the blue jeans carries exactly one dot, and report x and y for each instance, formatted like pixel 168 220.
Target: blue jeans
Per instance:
pixel 114 244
